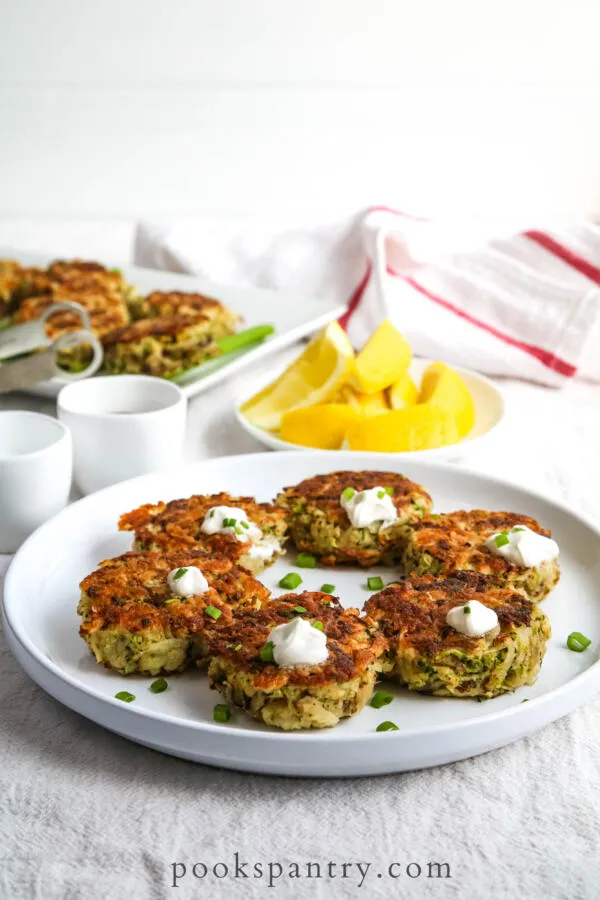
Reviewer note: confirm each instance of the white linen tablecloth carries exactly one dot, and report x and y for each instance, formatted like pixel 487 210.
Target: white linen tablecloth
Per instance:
pixel 86 814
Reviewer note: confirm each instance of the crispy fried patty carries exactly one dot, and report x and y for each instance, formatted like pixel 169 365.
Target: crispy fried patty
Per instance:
pixel 168 344
pixel 304 696
pixel 132 621
pixel 178 525
pixel 319 524
pixel 16 283
pixel 101 292
pixel 171 332
pixel 166 304
pixel 456 541
pixel 164 347
pixel 428 655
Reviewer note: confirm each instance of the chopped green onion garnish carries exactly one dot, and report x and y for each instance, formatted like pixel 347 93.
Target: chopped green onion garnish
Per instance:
pixel 381 494
pixel 179 574
pixel 299 609
pixel 125 696
pixel 348 493
pixel 290 581
pixel 233 647
pixel 238 530
pixel 306 561
pixel 375 583
pixel 467 609
pixel 237 647
pixel 244 524
pixel 172 600
pixel 381 698
pixel 435 516
pixel 501 539
pixel 387 726
pixel 578 642
pixel 266 654
pixel 221 713
pixel 317 625
pixel 229 523
pixel 518 528
pixel 213 612
pixel 211 513
pixel 389 491
pixel 158 686
pixel 328 588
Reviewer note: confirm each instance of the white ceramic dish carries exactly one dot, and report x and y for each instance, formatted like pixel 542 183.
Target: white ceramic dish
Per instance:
pixel 487 397
pixel 292 315
pixel 140 419
pixel 40 599
pixel 36 466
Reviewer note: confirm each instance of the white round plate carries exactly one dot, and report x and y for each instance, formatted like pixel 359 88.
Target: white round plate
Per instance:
pixel 487 399
pixel 40 599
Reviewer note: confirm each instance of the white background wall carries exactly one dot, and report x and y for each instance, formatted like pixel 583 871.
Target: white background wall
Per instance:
pixel 163 108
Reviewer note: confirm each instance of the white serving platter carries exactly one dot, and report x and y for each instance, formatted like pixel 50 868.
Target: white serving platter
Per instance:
pixel 293 315
pixel 487 399
pixel 41 594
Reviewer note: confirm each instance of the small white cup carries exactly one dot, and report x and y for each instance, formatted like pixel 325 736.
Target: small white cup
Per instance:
pixel 36 463
pixel 122 426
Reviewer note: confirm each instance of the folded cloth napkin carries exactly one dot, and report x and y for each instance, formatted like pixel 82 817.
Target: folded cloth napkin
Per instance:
pixel 525 306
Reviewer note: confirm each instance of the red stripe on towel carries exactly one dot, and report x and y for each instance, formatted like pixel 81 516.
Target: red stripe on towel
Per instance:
pixel 354 301
pixel 550 360
pixel 356 297
pixel 544 356
pixel 568 256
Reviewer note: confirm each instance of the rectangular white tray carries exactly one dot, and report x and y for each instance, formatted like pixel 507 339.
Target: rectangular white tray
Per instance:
pixel 293 315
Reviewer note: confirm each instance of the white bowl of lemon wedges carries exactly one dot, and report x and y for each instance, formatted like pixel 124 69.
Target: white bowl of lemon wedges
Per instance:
pixel 380 399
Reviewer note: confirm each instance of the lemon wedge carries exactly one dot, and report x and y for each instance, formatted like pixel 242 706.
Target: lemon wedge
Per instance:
pixel 403 392
pixel 384 358
pixel 442 386
pixel 323 426
pixel 369 404
pixel 312 379
pixel 420 427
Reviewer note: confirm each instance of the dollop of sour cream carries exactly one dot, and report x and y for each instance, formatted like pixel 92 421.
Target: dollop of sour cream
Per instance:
pixel 298 643
pixel 365 508
pixel 523 547
pixel 187 581
pixel 232 521
pixel 473 618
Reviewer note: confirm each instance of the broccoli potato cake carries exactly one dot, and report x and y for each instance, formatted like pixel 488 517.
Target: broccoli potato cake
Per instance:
pixel 243 669
pixel 135 620
pixel 429 655
pixel 455 541
pixel 171 332
pixel 102 292
pixel 164 347
pixel 65 270
pixel 319 524
pixel 167 304
pixel 16 283
pixel 187 523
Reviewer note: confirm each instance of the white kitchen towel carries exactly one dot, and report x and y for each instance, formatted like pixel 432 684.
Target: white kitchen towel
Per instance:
pixel 525 306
